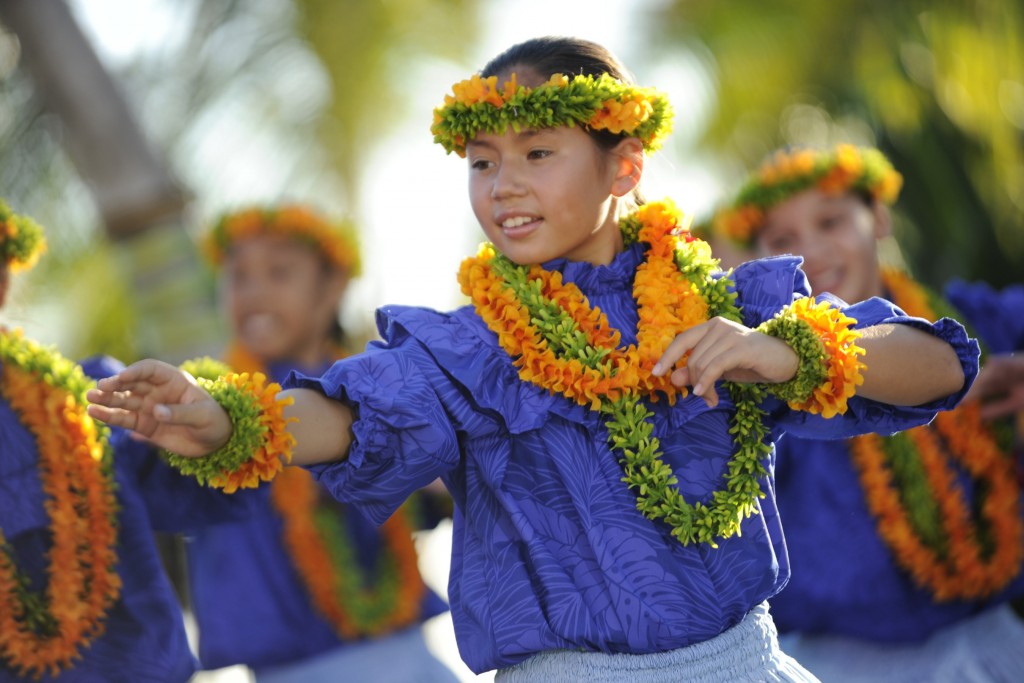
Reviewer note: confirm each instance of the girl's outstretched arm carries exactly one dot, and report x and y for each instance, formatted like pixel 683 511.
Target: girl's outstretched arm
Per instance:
pixel 905 366
pixel 165 405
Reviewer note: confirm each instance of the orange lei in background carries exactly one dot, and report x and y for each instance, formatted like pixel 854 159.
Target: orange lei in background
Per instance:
pixel 44 634
pixel 960 571
pixel 294 495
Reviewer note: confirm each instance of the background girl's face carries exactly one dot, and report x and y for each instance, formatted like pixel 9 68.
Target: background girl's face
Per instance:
pixel 281 298
pixel 837 237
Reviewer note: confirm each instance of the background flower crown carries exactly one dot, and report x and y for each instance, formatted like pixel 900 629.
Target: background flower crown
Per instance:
pixel 595 102
pixel 787 172
pixel 336 241
pixel 21 239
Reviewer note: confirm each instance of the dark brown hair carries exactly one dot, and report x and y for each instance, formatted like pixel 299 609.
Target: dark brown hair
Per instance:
pixel 569 56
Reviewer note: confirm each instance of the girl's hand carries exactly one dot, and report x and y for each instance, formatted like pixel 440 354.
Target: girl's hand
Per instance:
pixel 999 386
pixel 722 349
pixel 163 404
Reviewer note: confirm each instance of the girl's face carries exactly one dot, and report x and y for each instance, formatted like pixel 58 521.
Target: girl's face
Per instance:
pixel 837 237
pixel 549 193
pixel 281 299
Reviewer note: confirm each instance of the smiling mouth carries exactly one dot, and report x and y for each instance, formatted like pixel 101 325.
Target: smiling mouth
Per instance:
pixel 259 324
pixel 519 226
pixel 827 281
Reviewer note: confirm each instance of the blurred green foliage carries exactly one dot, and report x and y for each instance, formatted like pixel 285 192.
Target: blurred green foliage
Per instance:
pixel 937 85
pixel 366 48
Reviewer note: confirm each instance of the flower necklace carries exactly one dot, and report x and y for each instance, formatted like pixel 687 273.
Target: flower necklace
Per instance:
pixel 912 490
pixel 560 343
pixel 44 632
pixel 324 556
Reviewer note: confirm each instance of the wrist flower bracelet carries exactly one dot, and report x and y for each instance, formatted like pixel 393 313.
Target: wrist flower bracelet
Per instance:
pixel 825 343
pixel 260 445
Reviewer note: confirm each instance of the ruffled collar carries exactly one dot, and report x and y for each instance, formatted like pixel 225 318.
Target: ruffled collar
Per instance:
pixel 592 280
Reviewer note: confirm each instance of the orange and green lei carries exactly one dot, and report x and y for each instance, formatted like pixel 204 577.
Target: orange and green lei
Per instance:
pixel 337 241
pixel 559 342
pixel 44 632
pixel 922 512
pixel 844 168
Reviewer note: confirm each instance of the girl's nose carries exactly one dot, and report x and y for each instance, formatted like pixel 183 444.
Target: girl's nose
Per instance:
pixel 507 182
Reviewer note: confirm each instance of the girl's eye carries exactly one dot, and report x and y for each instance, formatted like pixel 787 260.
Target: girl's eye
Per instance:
pixel 479 164
pixel 538 153
pixel 280 272
pixel 831 221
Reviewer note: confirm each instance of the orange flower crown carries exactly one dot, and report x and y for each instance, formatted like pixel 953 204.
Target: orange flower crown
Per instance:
pixel 595 102
pixel 337 242
pixel 788 172
pixel 21 239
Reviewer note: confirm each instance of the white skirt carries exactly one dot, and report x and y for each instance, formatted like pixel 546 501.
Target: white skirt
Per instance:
pixel 986 648
pixel 746 653
pixel 402 657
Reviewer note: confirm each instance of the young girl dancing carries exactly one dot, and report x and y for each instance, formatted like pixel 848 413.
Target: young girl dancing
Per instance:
pixel 604 411
pixel 916 588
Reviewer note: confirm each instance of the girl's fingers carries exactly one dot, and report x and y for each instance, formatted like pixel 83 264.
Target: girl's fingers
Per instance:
pixel 185 415
pixel 114 399
pixel 678 348
pixel 116 385
pixel 141 377
pixel 681 377
pixel 1007 405
pixel 114 417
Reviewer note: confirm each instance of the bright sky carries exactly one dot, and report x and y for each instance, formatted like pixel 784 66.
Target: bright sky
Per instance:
pixel 418 225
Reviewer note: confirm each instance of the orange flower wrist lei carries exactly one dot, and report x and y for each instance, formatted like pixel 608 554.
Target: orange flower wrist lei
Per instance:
pixel 829 372
pixel 260 444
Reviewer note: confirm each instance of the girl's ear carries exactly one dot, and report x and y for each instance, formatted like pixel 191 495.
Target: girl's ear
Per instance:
pixel 629 166
pixel 883 219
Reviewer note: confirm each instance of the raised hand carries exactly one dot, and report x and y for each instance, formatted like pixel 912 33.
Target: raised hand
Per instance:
pixel 722 349
pixel 163 404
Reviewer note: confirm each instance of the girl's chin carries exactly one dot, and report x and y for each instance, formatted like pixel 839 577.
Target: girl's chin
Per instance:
pixel 263 348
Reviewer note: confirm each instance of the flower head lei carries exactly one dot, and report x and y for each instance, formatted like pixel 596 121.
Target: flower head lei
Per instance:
pixel 595 102
pixel 787 172
pixel 21 239
pixel 336 241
